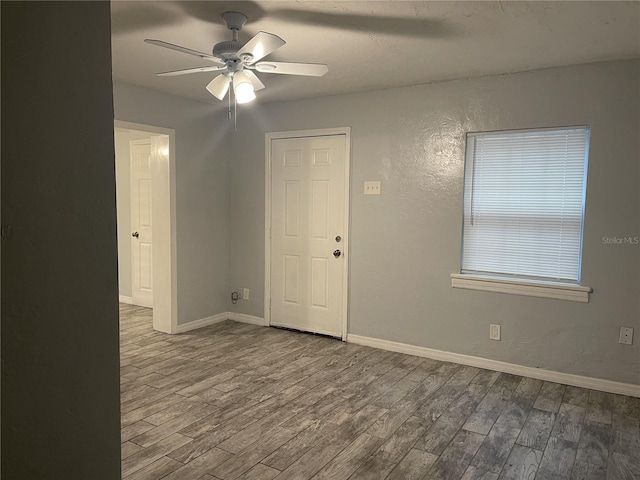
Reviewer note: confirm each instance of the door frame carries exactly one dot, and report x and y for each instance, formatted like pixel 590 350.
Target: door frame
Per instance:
pixel 323 132
pixel 165 280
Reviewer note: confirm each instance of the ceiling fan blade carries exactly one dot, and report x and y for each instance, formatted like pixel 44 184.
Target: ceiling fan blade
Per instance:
pixel 189 51
pixel 255 81
pixel 261 45
pixel 287 68
pixel 213 68
pixel 219 86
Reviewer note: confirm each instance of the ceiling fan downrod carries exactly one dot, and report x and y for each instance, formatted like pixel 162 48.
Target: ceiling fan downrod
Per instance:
pixel 227 49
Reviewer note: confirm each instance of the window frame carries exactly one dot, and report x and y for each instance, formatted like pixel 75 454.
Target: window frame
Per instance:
pixel 512 283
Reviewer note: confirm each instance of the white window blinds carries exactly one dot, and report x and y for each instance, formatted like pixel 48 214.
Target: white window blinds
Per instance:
pixel 524 203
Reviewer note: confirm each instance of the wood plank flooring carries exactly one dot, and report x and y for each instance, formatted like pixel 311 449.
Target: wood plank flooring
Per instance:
pixel 236 401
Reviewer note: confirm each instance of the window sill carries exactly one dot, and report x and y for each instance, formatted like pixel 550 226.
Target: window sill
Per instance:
pixel 559 291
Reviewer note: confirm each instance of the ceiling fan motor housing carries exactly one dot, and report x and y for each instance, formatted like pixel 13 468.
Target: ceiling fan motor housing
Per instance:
pixel 226 50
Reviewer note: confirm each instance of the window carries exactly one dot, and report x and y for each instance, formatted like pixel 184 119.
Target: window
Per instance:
pixel 523 211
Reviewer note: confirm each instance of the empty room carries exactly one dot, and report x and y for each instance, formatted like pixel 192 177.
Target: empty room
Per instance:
pixel 321 240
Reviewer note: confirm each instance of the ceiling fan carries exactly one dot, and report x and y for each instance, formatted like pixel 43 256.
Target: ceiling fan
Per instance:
pixel 237 61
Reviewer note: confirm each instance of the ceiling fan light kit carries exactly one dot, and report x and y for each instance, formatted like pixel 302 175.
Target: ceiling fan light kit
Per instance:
pixel 242 88
pixel 219 86
pixel 236 61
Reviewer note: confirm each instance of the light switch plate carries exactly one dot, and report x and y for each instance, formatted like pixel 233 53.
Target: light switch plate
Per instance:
pixel 372 188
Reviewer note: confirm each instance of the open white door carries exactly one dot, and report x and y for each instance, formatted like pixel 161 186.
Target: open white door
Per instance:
pixel 309 200
pixel 155 276
pixel 141 221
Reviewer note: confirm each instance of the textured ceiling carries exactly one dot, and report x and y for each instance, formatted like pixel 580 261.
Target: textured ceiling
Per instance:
pixel 372 45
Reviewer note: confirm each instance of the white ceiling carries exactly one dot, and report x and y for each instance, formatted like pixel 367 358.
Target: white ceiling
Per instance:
pixel 372 45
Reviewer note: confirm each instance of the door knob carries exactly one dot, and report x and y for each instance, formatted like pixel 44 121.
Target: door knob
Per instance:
pixel 336 253
pixel 135 234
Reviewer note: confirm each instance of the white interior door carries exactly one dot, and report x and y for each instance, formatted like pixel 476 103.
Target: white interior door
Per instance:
pixel 141 241
pixel 308 233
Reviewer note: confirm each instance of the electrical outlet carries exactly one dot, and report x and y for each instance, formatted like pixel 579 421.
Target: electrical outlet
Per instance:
pixel 494 332
pixel 245 294
pixel 626 336
pixel 372 188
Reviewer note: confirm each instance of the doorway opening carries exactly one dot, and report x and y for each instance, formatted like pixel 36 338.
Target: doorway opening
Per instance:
pixel 145 185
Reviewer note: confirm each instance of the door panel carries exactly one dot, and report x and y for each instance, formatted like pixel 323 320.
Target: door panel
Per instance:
pixel 141 215
pixel 320 210
pixel 292 279
pixel 307 214
pixel 319 282
pixel 292 208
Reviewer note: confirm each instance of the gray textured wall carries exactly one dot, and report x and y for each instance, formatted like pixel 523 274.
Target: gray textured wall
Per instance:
pixel 202 198
pixel 406 242
pixel 60 375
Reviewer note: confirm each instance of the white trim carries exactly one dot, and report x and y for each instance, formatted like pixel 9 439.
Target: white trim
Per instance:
pixel 320 132
pixel 267 230
pixel 323 132
pixel 125 299
pixel 574 293
pixel 346 251
pixel 203 322
pixel 220 317
pixel 244 318
pixel 526 130
pixel 165 313
pixel 547 375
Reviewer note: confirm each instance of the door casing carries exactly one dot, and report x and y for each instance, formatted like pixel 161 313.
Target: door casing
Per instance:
pixel 165 280
pixel 346 131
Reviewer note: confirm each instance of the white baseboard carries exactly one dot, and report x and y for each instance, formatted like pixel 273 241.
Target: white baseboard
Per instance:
pixel 547 375
pixel 125 299
pixel 220 317
pixel 203 322
pixel 541 374
pixel 244 318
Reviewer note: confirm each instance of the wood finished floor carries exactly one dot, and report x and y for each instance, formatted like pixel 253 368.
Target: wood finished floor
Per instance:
pixel 237 401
